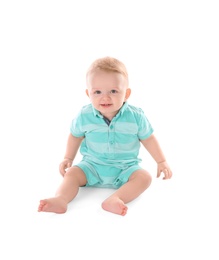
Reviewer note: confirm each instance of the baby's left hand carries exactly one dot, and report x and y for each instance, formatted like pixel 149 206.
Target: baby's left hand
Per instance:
pixel 164 167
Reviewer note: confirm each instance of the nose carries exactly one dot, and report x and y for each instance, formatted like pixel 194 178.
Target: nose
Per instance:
pixel 105 95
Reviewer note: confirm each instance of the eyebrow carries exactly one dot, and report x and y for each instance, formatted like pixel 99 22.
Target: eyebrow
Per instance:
pixel 100 89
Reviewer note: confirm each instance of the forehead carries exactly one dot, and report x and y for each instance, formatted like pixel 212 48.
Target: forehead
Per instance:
pixel 105 79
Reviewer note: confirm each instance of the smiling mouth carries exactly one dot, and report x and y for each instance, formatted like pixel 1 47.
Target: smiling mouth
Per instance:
pixel 106 105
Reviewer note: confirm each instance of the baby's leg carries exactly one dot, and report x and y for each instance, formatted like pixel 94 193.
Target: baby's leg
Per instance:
pixel 73 179
pixel 138 182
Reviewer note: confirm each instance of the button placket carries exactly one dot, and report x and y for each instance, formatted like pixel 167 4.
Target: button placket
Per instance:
pixel 111 140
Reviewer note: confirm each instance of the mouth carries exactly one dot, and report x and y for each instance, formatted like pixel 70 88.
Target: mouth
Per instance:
pixel 106 105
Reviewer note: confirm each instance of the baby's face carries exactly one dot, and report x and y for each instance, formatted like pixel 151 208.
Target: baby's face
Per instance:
pixel 107 92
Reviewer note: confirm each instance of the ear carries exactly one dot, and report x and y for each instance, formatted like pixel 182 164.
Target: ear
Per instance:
pixel 128 93
pixel 87 92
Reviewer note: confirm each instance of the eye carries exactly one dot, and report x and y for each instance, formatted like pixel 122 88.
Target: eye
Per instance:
pixel 113 91
pixel 97 92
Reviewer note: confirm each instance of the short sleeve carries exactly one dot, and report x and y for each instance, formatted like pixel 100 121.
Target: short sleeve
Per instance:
pixel 75 128
pixel 145 128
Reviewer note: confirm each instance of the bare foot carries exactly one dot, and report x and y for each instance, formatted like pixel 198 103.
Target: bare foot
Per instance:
pixel 56 205
pixel 115 205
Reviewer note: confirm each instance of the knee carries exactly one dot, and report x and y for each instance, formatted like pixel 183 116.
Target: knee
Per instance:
pixel 143 177
pixel 146 179
pixel 69 171
pixel 77 175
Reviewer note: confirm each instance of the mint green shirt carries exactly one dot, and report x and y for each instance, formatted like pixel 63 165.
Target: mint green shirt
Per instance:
pixel 115 144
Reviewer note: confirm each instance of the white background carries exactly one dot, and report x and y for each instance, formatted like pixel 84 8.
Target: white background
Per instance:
pixel 170 49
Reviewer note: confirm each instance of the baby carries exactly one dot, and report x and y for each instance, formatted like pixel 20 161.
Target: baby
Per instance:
pixel 108 132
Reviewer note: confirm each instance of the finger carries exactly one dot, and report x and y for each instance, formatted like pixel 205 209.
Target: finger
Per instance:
pixel 166 174
pixel 62 170
pixel 62 173
pixel 170 174
pixel 158 173
pixel 69 165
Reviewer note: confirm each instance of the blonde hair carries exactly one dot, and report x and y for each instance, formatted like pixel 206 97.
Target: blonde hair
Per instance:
pixel 108 64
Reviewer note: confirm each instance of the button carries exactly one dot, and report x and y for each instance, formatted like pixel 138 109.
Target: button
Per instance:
pixel 111 126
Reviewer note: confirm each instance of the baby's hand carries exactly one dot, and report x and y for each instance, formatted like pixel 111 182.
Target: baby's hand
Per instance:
pixel 164 167
pixel 64 165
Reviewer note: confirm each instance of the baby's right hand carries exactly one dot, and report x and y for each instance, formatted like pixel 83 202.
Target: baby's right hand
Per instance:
pixel 64 165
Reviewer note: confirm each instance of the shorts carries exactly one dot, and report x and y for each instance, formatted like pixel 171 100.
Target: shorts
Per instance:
pixel 106 176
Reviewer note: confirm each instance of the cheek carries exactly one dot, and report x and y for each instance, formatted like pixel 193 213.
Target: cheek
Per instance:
pixel 124 98
pixel 94 100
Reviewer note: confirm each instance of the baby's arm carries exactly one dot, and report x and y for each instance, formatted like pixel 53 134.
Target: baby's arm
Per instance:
pixel 72 147
pixel 153 147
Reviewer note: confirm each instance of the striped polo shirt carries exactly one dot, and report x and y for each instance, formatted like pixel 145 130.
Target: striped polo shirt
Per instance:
pixel 116 143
